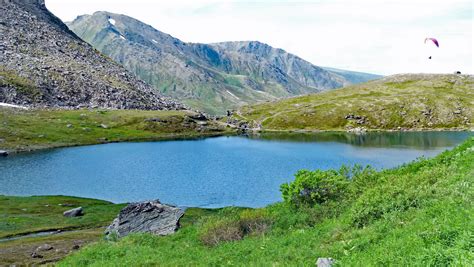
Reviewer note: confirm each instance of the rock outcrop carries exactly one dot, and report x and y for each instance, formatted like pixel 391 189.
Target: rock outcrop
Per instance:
pixel 147 217
pixel 44 64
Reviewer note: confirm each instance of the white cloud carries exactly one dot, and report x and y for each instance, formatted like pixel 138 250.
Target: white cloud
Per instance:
pixel 368 35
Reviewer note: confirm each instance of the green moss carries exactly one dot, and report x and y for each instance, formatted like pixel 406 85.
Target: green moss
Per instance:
pixel 22 215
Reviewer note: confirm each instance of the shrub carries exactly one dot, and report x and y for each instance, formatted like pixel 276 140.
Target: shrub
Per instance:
pixel 315 187
pixel 255 222
pixel 381 201
pixel 224 230
pixel 233 228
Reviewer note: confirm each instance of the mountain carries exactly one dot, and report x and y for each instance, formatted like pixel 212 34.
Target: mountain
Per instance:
pixel 404 101
pixel 44 64
pixel 212 77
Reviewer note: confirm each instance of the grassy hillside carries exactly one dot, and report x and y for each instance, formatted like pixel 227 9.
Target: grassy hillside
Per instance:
pixel 410 101
pixel 419 214
pixel 22 130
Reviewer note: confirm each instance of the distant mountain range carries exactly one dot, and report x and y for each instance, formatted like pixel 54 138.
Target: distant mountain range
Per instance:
pixel 210 77
pixel 44 64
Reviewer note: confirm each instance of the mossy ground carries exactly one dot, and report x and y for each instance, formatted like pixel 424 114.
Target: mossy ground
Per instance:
pixel 397 102
pixel 26 215
pixel 419 214
pixel 22 130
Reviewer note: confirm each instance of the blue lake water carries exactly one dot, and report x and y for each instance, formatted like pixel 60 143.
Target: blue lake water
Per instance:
pixel 211 172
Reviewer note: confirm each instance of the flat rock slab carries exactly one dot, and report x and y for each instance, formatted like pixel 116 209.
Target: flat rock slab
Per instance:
pixel 74 212
pixel 146 217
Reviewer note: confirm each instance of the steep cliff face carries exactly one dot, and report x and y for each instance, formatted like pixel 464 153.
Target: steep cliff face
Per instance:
pixel 268 63
pixel 212 77
pixel 44 64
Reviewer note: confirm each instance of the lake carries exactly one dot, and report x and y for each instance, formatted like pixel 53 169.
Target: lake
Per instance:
pixel 210 172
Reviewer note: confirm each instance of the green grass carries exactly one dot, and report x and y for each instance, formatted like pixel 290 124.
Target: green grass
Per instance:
pixel 23 215
pixel 35 129
pixel 412 101
pixel 419 214
pixel 20 216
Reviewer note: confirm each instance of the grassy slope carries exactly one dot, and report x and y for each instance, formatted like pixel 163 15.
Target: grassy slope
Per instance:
pixel 419 214
pixel 25 215
pixel 22 215
pixel 28 130
pixel 412 101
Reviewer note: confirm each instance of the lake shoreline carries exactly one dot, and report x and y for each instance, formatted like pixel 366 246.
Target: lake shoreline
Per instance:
pixel 197 136
pixel 183 137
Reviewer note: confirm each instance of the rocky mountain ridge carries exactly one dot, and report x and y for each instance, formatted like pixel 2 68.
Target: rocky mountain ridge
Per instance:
pixel 212 77
pixel 44 64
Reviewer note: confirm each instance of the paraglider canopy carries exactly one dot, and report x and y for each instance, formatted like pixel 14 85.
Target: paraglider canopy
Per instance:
pixel 433 40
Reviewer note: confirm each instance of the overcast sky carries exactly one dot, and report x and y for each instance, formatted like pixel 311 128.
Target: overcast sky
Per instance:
pixel 384 37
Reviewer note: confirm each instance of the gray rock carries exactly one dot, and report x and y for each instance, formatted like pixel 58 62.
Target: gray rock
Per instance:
pixel 3 153
pixel 147 217
pixel 104 126
pixel 36 255
pixel 357 130
pixel 325 262
pixel 44 247
pixel 74 212
pixel 69 126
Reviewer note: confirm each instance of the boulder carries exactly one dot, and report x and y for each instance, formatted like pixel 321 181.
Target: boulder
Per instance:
pixel 199 116
pixel 325 262
pixel 3 153
pixel 357 130
pixel 147 217
pixel 74 212
pixel 36 255
pixel 44 247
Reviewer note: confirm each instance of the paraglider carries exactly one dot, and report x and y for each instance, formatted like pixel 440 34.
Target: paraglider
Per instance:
pixel 434 41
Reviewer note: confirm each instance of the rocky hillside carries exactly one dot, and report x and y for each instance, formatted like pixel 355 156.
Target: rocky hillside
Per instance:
pixel 399 102
pixel 44 64
pixel 211 77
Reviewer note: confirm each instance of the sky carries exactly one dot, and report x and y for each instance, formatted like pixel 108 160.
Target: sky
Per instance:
pixel 382 37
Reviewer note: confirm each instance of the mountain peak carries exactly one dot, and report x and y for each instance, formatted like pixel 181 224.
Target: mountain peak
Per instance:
pixel 212 77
